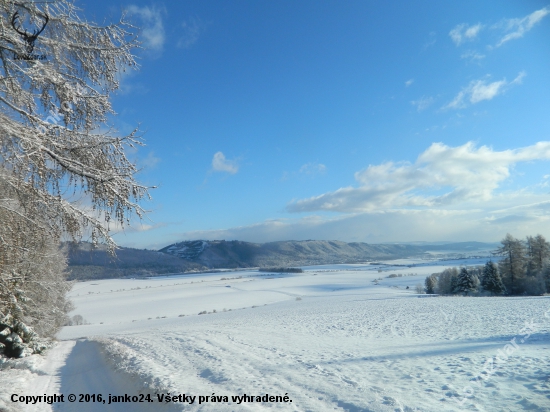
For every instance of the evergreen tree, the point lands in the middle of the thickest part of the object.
(491, 280)
(546, 277)
(465, 282)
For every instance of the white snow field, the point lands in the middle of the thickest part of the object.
(329, 339)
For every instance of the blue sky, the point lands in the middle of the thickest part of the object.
(368, 121)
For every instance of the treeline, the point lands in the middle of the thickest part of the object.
(523, 270)
(281, 270)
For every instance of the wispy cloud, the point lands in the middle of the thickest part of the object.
(313, 169)
(462, 33)
(221, 164)
(440, 177)
(400, 225)
(423, 103)
(516, 28)
(191, 29)
(430, 42)
(479, 90)
(153, 34)
(310, 169)
(472, 55)
(150, 161)
(409, 82)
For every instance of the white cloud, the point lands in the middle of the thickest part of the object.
(516, 28)
(391, 226)
(442, 176)
(448, 193)
(463, 32)
(479, 90)
(152, 34)
(423, 103)
(409, 82)
(221, 164)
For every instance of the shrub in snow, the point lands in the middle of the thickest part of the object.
(33, 288)
(18, 340)
(419, 288)
(446, 281)
(533, 285)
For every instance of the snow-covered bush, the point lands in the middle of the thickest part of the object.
(446, 281)
(431, 283)
(32, 278)
(533, 285)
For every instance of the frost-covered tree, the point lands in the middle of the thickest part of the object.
(538, 252)
(512, 267)
(430, 283)
(446, 281)
(33, 288)
(63, 168)
(491, 280)
(56, 141)
(465, 282)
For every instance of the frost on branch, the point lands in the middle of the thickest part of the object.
(56, 141)
(63, 168)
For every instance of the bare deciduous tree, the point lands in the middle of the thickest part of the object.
(538, 251)
(512, 266)
(55, 138)
(63, 168)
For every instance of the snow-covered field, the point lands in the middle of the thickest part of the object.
(328, 339)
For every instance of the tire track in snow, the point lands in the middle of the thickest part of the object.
(81, 367)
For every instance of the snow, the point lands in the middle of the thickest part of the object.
(329, 338)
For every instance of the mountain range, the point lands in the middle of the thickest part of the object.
(86, 262)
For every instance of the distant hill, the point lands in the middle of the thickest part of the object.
(234, 254)
(86, 263)
(200, 255)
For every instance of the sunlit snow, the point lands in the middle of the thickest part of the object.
(336, 337)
